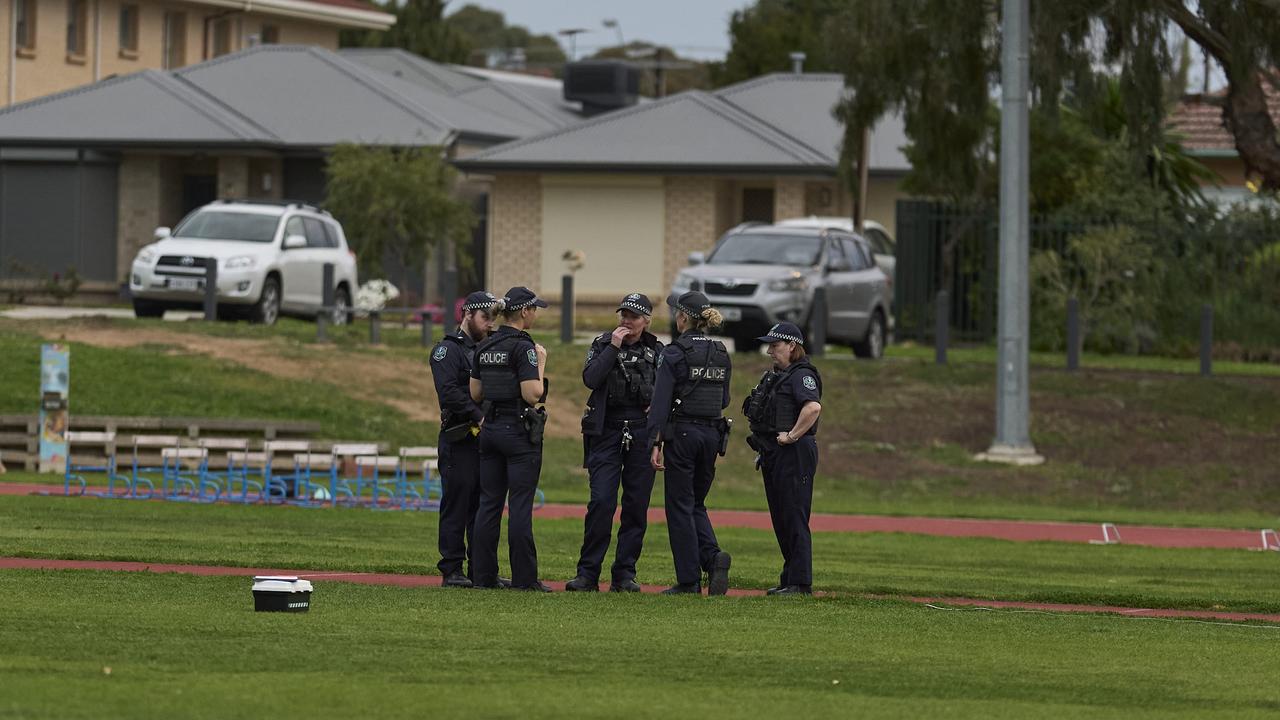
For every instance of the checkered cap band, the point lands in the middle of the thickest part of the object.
(632, 305)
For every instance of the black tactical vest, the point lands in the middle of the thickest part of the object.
(631, 378)
(781, 408)
(700, 393)
(755, 406)
(497, 368)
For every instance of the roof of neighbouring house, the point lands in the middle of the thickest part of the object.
(343, 13)
(1198, 121)
(284, 96)
(779, 123)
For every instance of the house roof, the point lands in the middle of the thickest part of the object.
(411, 67)
(778, 123)
(344, 13)
(281, 96)
(693, 131)
(1198, 120)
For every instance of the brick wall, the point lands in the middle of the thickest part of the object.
(788, 198)
(690, 223)
(515, 233)
(139, 205)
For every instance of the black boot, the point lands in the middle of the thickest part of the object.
(581, 584)
(692, 588)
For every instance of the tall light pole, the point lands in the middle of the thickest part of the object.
(1013, 395)
(616, 27)
(572, 34)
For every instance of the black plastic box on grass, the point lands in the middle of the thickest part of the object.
(281, 593)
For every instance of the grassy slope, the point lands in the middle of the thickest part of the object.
(897, 436)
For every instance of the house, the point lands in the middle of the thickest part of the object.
(52, 45)
(638, 189)
(86, 175)
(1198, 122)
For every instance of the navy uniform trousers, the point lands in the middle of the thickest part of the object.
(459, 500)
(610, 466)
(509, 469)
(788, 487)
(690, 459)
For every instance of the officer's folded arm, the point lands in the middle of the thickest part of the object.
(477, 391)
(808, 416)
(530, 390)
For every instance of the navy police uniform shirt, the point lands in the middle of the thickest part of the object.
(451, 362)
(601, 359)
(672, 372)
(524, 359)
(804, 387)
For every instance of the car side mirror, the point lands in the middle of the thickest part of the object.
(697, 258)
(162, 232)
(293, 242)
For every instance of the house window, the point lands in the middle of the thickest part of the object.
(175, 40)
(270, 34)
(129, 30)
(77, 20)
(26, 30)
(221, 37)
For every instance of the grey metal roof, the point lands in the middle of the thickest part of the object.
(149, 106)
(777, 123)
(283, 96)
(801, 103)
(414, 68)
(692, 131)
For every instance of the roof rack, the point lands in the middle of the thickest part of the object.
(284, 202)
(747, 224)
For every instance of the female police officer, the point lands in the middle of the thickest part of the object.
(509, 380)
(460, 417)
(686, 431)
(783, 410)
(620, 370)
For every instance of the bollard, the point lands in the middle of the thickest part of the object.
(818, 322)
(1206, 340)
(942, 328)
(566, 309)
(326, 303)
(1073, 334)
(210, 288)
(426, 329)
(375, 327)
(449, 289)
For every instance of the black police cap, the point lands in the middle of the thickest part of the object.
(479, 300)
(691, 303)
(637, 302)
(521, 297)
(783, 332)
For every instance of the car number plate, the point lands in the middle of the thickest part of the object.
(731, 314)
(185, 283)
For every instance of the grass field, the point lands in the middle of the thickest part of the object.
(99, 645)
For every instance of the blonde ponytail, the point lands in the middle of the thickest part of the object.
(710, 319)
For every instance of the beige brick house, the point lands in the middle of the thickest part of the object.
(637, 190)
(1198, 121)
(51, 45)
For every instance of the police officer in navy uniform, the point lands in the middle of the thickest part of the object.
(509, 381)
(460, 416)
(620, 371)
(686, 431)
(783, 411)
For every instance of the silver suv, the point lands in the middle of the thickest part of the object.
(758, 275)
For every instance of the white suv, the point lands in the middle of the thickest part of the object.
(270, 258)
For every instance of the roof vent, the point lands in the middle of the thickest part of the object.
(602, 85)
(797, 62)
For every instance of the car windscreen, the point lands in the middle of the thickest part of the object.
(755, 249)
(227, 225)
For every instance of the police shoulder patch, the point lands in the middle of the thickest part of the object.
(533, 358)
(440, 352)
(809, 382)
(591, 352)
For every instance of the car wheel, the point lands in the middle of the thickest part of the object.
(147, 309)
(341, 307)
(871, 346)
(267, 310)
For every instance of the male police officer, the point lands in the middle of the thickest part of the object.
(460, 417)
(620, 370)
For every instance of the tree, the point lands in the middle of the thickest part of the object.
(420, 28)
(486, 31)
(763, 36)
(395, 203)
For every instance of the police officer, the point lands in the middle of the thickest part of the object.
(686, 431)
(620, 371)
(460, 416)
(783, 411)
(509, 379)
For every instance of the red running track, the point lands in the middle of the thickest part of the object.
(416, 581)
(1016, 530)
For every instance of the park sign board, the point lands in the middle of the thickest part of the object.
(55, 386)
